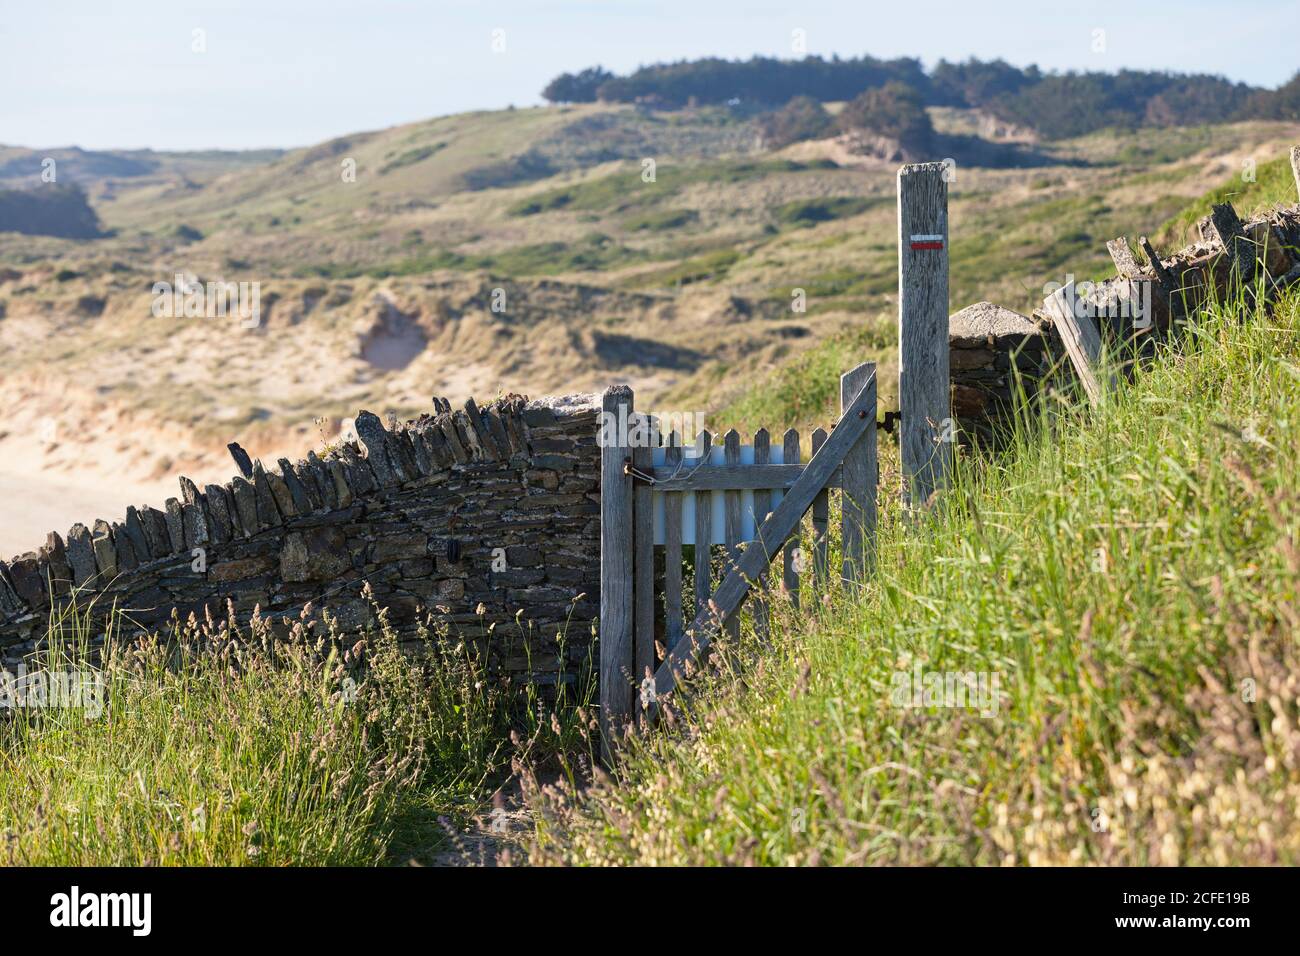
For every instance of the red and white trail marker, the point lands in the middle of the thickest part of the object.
(922, 241)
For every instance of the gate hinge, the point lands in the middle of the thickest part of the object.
(636, 473)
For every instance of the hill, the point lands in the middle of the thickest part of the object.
(1110, 614)
(377, 289)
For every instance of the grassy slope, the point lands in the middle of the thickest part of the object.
(1128, 576)
(1123, 575)
(246, 748)
(800, 391)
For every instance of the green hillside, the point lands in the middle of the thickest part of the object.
(665, 248)
(1120, 592)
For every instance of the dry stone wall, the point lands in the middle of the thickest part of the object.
(988, 343)
(485, 520)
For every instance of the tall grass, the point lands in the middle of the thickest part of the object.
(1127, 576)
(222, 743)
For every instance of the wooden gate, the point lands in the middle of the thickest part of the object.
(737, 507)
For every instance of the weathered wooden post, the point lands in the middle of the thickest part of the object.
(1295, 166)
(616, 568)
(926, 431)
(1082, 341)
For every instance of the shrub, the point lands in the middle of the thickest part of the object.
(801, 119)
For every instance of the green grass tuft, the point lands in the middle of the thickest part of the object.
(1127, 576)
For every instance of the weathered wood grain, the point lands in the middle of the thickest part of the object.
(923, 387)
(858, 501)
(742, 477)
(762, 506)
(731, 453)
(1295, 167)
(1225, 227)
(673, 553)
(1081, 338)
(617, 661)
(1126, 264)
(821, 523)
(703, 533)
(644, 585)
(789, 572)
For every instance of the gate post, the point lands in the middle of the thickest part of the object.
(926, 430)
(616, 568)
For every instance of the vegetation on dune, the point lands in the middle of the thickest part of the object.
(805, 391)
(1057, 105)
(1123, 581)
(800, 119)
(221, 744)
(894, 111)
(1272, 182)
(627, 189)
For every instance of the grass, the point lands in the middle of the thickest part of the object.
(1127, 577)
(805, 213)
(228, 745)
(805, 391)
(627, 189)
(1273, 182)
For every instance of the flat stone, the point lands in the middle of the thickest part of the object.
(105, 554)
(196, 525)
(451, 435)
(307, 478)
(241, 569)
(155, 529)
(324, 483)
(55, 555)
(338, 473)
(81, 555)
(126, 559)
(189, 491)
(221, 525)
(984, 324)
(28, 578)
(283, 497)
(396, 547)
(268, 515)
(370, 431)
(317, 554)
(297, 491)
(175, 526)
(245, 505)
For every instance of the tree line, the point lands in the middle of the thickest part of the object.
(1056, 105)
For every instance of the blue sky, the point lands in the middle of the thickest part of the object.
(123, 74)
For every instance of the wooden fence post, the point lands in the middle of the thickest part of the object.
(860, 471)
(926, 429)
(616, 569)
(1082, 341)
(1295, 166)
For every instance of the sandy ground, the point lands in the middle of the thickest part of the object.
(67, 455)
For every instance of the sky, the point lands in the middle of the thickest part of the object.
(105, 74)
